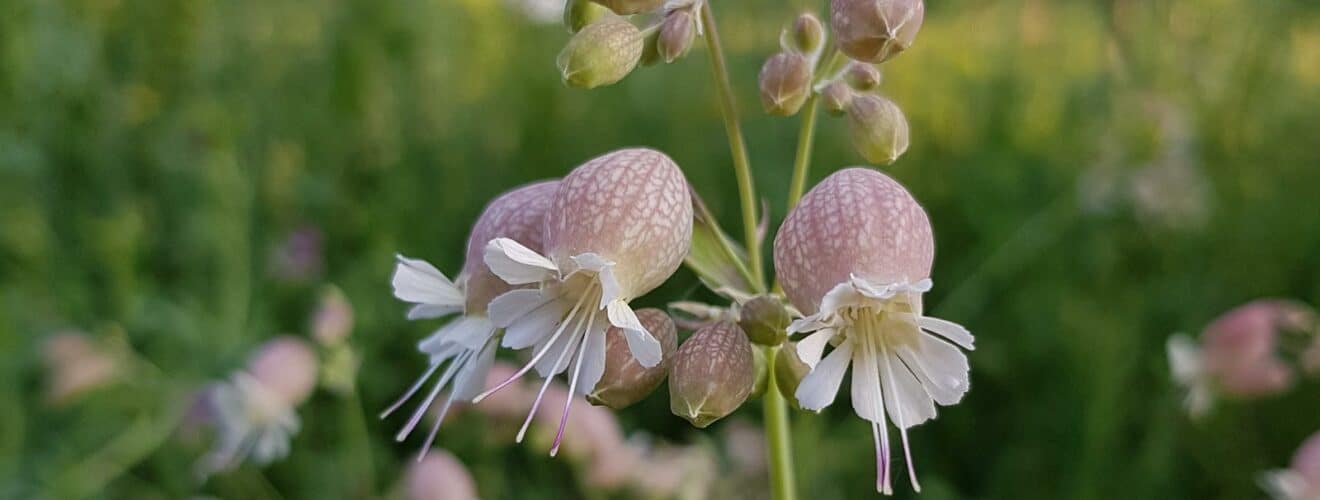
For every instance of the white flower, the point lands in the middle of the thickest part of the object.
(466, 346)
(855, 256)
(252, 423)
(619, 226)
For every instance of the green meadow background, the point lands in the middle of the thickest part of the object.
(1100, 174)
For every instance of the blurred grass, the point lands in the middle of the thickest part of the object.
(153, 154)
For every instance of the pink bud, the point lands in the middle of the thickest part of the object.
(625, 380)
(1306, 461)
(713, 374)
(875, 30)
(518, 214)
(333, 319)
(440, 476)
(855, 222)
(76, 365)
(631, 207)
(287, 367)
(785, 83)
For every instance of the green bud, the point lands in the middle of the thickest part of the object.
(862, 76)
(601, 54)
(629, 7)
(712, 375)
(836, 96)
(626, 381)
(878, 128)
(808, 33)
(676, 35)
(785, 83)
(789, 372)
(758, 367)
(765, 319)
(579, 13)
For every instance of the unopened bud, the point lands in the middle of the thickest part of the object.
(808, 33)
(601, 54)
(626, 381)
(580, 13)
(875, 30)
(785, 83)
(836, 96)
(629, 7)
(862, 76)
(789, 372)
(878, 128)
(758, 367)
(712, 375)
(676, 35)
(765, 320)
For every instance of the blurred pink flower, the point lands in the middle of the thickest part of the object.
(286, 366)
(299, 258)
(333, 319)
(439, 476)
(75, 365)
(1237, 356)
(1301, 481)
(590, 432)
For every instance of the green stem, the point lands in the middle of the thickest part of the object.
(742, 169)
(807, 134)
(778, 442)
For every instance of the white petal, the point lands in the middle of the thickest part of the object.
(819, 387)
(610, 290)
(517, 264)
(560, 354)
(842, 295)
(941, 368)
(1184, 359)
(808, 324)
(907, 402)
(471, 332)
(591, 261)
(514, 304)
(867, 398)
(426, 311)
(641, 343)
(535, 325)
(470, 380)
(949, 330)
(419, 282)
(809, 349)
(593, 360)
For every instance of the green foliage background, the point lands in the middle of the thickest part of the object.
(153, 153)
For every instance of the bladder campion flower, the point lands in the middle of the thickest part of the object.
(619, 225)
(466, 344)
(875, 30)
(713, 374)
(1237, 356)
(855, 257)
(625, 381)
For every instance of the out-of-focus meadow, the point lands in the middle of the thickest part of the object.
(181, 179)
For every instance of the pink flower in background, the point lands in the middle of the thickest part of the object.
(299, 257)
(76, 365)
(439, 476)
(255, 414)
(1301, 480)
(333, 319)
(1237, 356)
(855, 257)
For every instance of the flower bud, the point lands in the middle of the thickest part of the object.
(333, 319)
(808, 33)
(878, 128)
(789, 372)
(628, 7)
(626, 381)
(75, 365)
(836, 96)
(875, 30)
(862, 76)
(765, 320)
(712, 375)
(785, 83)
(287, 367)
(580, 13)
(601, 54)
(676, 35)
(758, 367)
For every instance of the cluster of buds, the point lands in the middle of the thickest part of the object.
(869, 32)
(786, 77)
(606, 46)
